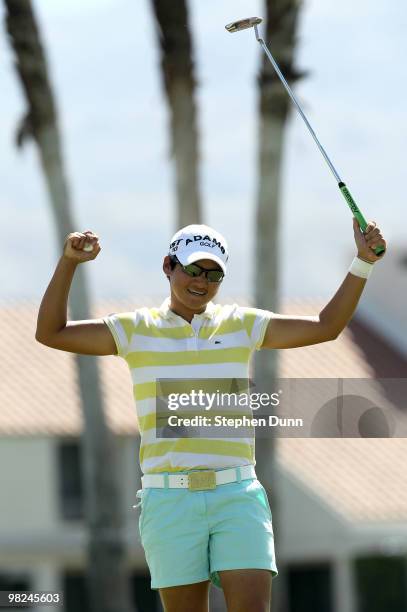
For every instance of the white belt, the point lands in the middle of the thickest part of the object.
(198, 480)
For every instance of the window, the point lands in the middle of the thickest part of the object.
(381, 584)
(145, 599)
(15, 582)
(70, 486)
(310, 588)
(76, 597)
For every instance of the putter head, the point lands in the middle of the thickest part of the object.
(243, 24)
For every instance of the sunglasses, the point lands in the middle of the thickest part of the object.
(193, 270)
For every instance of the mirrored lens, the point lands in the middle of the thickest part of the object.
(214, 276)
(192, 270)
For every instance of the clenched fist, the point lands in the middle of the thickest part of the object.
(368, 241)
(81, 247)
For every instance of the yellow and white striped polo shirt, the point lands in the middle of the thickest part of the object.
(159, 344)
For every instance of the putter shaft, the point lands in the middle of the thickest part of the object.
(294, 100)
(253, 22)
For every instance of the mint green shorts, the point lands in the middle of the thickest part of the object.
(189, 536)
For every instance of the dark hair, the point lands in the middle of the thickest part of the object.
(173, 261)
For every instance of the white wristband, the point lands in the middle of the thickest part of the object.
(361, 268)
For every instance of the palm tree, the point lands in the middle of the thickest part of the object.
(281, 25)
(108, 580)
(179, 83)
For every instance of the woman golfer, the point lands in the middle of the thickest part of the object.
(204, 515)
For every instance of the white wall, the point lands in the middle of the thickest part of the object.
(310, 528)
(31, 529)
(35, 538)
(27, 501)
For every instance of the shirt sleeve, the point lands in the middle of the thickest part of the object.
(255, 322)
(122, 327)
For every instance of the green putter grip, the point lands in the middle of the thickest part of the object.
(356, 213)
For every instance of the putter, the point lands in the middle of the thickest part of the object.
(253, 22)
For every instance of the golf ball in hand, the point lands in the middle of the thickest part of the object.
(88, 248)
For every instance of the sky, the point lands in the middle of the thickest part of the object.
(104, 66)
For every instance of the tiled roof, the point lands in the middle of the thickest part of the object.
(39, 392)
(341, 358)
(384, 302)
(38, 387)
(365, 479)
(362, 479)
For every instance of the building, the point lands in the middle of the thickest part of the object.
(344, 500)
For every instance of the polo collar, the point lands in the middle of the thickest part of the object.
(168, 314)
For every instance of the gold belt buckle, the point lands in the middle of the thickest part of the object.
(201, 481)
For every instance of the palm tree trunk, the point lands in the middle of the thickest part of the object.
(274, 105)
(179, 83)
(108, 580)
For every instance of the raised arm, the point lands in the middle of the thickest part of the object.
(285, 331)
(89, 337)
